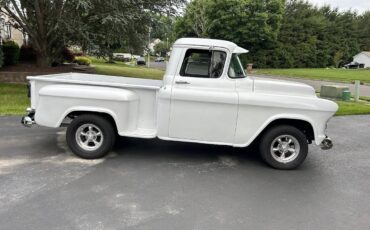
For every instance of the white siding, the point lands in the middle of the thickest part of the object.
(362, 58)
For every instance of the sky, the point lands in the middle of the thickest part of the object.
(359, 5)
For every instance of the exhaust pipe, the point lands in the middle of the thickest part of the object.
(326, 144)
(29, 120)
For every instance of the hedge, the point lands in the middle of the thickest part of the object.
(1, 58)
(83, 60)
(11, 52)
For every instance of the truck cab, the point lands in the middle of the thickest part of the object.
(200, 89)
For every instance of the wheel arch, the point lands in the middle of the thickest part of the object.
(74, 112)
(305, 126)
(302, 123)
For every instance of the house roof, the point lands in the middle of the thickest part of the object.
(210, 43)
(367, 53)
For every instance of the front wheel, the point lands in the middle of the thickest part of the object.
(90, 136)
(284, 147)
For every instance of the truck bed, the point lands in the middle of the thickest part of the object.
(99, 80)
(71, 91)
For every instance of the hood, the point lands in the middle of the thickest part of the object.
(282, 87)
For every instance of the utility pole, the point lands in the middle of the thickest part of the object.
(148, 62)
(357, 90)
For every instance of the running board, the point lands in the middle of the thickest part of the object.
(141, 133)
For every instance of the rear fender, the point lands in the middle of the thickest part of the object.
(57, 101)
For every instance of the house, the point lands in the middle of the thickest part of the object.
(153, 44)
(361, 60)
(8, 32)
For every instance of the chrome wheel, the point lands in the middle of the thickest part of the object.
(89, 137)
(285, 148)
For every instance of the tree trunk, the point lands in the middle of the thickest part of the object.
(42, 59)
(111, 58)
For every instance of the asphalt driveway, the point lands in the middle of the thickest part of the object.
(152, 184)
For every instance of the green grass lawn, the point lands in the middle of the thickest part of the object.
(353, 108)
(13, 99)
(343, 75)
(122, 69)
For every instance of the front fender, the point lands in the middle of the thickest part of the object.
(276, 117)
(258, 110)
(256, 119)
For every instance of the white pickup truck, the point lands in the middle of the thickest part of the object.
(205, 97)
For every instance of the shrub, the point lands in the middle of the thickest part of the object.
(68, 55)
(11, 52)
(83, 60)
(1, 58)
(27, 54)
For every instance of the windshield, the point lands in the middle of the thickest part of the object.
(236, 69)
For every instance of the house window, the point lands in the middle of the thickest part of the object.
(8, 31)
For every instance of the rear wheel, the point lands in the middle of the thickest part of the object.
(90, 136)
(284, 147)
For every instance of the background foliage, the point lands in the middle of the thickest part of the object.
(11, 52)
(96, 25)
(280, 33)
(1, 58)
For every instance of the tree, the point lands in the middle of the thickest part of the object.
(364, 31)
(52, 24)
(162, 26)
(299, 35)
(253, 24)
(315, 37)
(118, 24)
(109, 35)
(44, 22)
(161, 49)
(196, 19)
(291, 33)
(338, 58)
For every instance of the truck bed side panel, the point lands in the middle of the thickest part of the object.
(57, 101)
(130, 102)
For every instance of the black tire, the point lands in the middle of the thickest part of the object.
(270, 136)
(107, 135)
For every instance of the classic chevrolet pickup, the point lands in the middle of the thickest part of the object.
(205, 97)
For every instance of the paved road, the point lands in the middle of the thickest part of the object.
(151, 184)
(364, 89)
(158, 65)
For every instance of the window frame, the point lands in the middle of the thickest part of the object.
(209, 50)
(228, 70)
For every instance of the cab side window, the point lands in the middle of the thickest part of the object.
(203, 63)
(217, 64)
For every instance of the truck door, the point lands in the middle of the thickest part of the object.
(204, 101)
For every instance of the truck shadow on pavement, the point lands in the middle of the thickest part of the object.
(180, 152)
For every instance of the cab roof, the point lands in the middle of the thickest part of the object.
(232, 47)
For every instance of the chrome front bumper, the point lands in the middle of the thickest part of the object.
(326, 144)
(29, 120)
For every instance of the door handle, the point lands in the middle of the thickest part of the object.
(182, 82)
